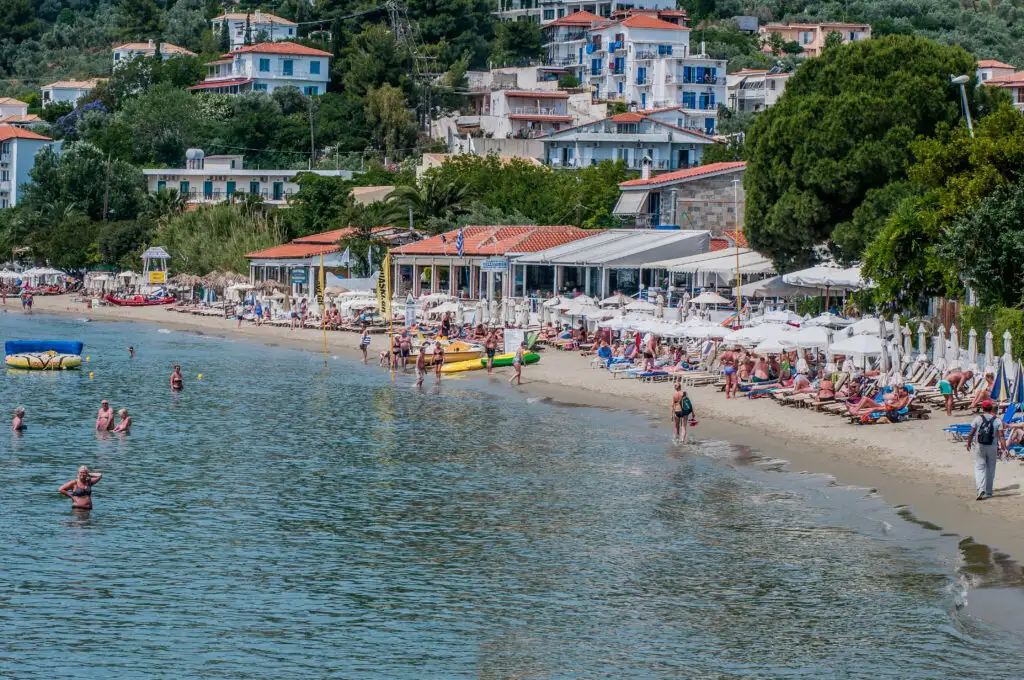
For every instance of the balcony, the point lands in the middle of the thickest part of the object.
(564, 61)
(5, 158)
(537, 111)
(693, 80)
(200, 196)
(5, 187)
(699, 107)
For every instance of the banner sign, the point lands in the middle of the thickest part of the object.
(494, 264)
(158, 277)
(299, 275)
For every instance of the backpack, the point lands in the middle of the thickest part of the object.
(987, 431)
(685, 406)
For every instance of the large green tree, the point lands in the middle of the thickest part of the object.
(842, 128)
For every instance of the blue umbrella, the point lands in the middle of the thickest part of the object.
(1017, 392)
(1000, 388)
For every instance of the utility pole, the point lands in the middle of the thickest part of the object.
(312, 143)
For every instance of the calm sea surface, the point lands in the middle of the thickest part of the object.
(277, 521)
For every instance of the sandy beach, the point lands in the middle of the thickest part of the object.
(911, 464)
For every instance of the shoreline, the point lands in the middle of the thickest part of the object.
(911, 464)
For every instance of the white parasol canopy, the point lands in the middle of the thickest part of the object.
(809, 337)
(639, 306)
(824, 276)
(869, 325)
(858, 345)
(990, 352)
(830, 320)
(954, 345)
(972, 350)
(617, 300)
(751, 335)
(1007, 347)
(780, 316)
(770, 346)
(922, 343)
(710, 298)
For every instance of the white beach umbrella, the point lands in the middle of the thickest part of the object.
(897, 329)
(617, 300)
(678, 313)
(830, 320)
(781, 316)
(770, 346)
(908, 344)
(809, 337)
(640, 306)
(460, 314)
(883, 358)
(659, 307)
(953, 356)
(524, 314)
(752, 335)
(858, 345)
(972, 350)
(710, 298)
(922, 343)
(492, 312)
(1007, 347)
(939, 347)
(990, 352)
(870, 325)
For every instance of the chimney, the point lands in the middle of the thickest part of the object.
(645, 168)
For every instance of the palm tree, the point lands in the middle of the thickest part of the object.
(433, 197)
(164, 205)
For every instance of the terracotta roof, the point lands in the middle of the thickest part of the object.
(480, 241)
(22, 118)
(11, 101)
(727, 241)
(76, 84)
(689, 173)
(992, 63)
(575, 19)
(13, 132)
(627, 118)
(332, 237)
(647, 21)
(210, 84)
(281, 48)
(165, 48)
(1009, 80)
(293, 251)
(540, 117)
(267, 16)
(537, 94)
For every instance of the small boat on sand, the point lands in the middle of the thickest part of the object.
(140, 300)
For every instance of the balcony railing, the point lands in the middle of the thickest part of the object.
(538, 110)
(699, 107)
(617, 70)
(199, 196)
(564, 61)
(694, 80)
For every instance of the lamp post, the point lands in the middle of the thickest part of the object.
(962, 82)
(736, 236)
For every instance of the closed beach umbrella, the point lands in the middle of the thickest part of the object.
(908, 343)
(410, 311)
(939, 347)
(1017, 391)
(659, 307)
(1007, 347)
(954, 343)
(883, 358)
(524, 314)
(990, 352)
(999, 387)
(897, 330)
(972, 349)
(922, 344)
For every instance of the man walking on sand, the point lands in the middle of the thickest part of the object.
(989, 430)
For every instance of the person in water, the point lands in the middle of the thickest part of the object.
(79, 490)
(126, 422)
(131, 352)
(438, 360)
(421, 365)
(105, 417)
(682, 410)
(177, 382)
(18, 424)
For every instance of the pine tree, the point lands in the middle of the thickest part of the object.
(225, 37)
(248, 30)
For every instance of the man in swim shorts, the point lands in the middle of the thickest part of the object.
(177, 382)
(421, 365)
(105, 417)
(490, 346)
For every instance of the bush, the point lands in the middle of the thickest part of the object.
(568, 82)
(998, 320)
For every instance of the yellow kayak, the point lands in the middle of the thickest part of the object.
(476, 364)
(460, 366)
(44, 361)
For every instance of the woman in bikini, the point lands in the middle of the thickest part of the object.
(728, 361)
(79, 490)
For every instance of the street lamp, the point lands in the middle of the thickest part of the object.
(962, 82)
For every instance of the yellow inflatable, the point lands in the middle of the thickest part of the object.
(44, 361)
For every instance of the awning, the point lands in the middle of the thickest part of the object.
(213, 84)
(719, 262)
(630, 202)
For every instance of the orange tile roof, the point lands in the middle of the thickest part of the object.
(1009, 80)
(689, 173)
(575, 19)
(281, 48)
(13, 132)
(992, 63)
(165, 48)
(22, 118)
(483, 241)
(11, 101)
(270, 18)
(333, 236)
(76, 84)
(293, 251)
(647, 21)
(627, 118)
(537, 94)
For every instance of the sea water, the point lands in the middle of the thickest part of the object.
(276, 520)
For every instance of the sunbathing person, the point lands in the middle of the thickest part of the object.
(868, 404)
(983, 394)
(801, 385)
(826, 390)
(761, 371)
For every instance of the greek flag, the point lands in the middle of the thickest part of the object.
(460, 241)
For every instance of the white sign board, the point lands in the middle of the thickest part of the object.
(494, 264)
(513, 338)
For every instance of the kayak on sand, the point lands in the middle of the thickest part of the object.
(477, 364)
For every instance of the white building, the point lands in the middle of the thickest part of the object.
(212, 179)
(263, 27)
(545, 11)
(755, 89)
(68, 90)
(18, 149)
(268, 66)
(15, 112)
(129, 51)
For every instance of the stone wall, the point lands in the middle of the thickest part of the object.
(705, 204)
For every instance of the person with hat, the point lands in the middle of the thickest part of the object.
(987, 429)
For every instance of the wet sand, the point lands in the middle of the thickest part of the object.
(911, 464)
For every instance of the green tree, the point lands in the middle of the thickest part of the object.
(732, 150)
(833, 39)
(842, 127)
(393, 126)
(775, 43)
(162, 205)
(161, 124)
(186, 23)
(225, 37)
(435, 197)
(373, 59)
(138, 19)
(218, 237)
(19, 21)
(518, 42)
(988, 245)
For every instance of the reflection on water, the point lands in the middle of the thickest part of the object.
(276, 521)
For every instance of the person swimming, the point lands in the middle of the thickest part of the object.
(131, 352)
(105, 417)
(79, 490)
(18, 424)
(126, 422)
(177, 382)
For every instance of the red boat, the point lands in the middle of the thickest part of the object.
(139, 301)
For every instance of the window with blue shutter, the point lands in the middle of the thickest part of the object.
(314, 68)
(264, 66)
(641, 75)
(287, 66)
(709, 126)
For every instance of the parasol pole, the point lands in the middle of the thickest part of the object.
(323, 305)
(736, 236)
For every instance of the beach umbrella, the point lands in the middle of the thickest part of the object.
(870, 325)
(922, 343)
(770, 346)
(858, 345)
(492, 312)
(617, 300)
(524, 314)
(972, 350)
(710, 298)
(781, 316)
(1017, 390)
(939, 347)
(1007, 347)
(883, 356)
(908, 343)
(809, 337)
(460, 314)
(954, 341)
(1000, 388)
(640, 306)
(678, 313)
(990, 352)
(659, 307)
(897, 330)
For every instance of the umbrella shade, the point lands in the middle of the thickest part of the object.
(1000, 388)
(782, 316)
(704, 332)
(618, 300)
(774, 287)
(752, 335)
(639, 306)
(770, 346)
(954, 344)
(922, 343)
(972, 348)
(1007, 346)
(908, 343)
(990, 352)
(809, 337)
(939, 344)
(1017, 391)
(555, 301)
(828, 277)
(869, 325)
(829, 320)
(858, 345)
(897, 330)
(709, 298)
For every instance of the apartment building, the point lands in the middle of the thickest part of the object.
(213, 179)
(1013, 83)
(637, 139)
(544, 12)
(753, 90)
(68, 90)
(990, 68)
(18, 149)
(708, 197)
(263, 27)
(811, 37)
(266, 67)
(128, 51)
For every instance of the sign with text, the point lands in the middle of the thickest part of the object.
(158, 277)
(513, 338)
(494, 264)
(299, 276)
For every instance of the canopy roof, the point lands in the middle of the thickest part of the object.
(622, 248)
(774, 287)
(718, 262)
(828, 276)
(155, 253)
